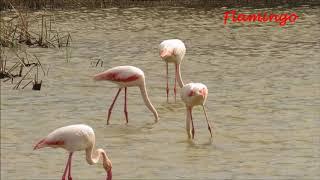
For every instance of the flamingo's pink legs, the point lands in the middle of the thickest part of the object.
(68, 168)
(110, 109)
(109, 176)
(69, 173)
(209, 127)
(167, 82)
(125, 104)
(192, 131)
(175, 83)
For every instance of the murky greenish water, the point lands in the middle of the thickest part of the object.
(264, 98)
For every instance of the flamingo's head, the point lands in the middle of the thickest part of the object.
(199, 92)
(107, 165)
(166, 52)
(203, 92)
(40, 144)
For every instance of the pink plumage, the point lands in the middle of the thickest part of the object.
(173, 51)
(127, 76)
(194, 94)
(122, 75)
(73, 138)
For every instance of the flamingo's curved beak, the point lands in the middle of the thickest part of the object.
(39, 145)
(109, 175)
(203, 93)
(165, 53)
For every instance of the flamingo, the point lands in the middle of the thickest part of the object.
(173, 51)
(194, 94)
(127, 76)
(73, 138)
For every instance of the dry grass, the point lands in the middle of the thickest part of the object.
(19, 32)
(22, 66)
(16, 30)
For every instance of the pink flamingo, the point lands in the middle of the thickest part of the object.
(76, 138)
(173, 51)
(127, 76)
(194, 94)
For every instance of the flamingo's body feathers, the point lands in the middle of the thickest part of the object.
(76, 138)
(72, 138)
(194, 94)
(172, 50)
(127, 76)
(124, 76)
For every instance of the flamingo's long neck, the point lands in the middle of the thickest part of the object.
(180, 82)
(93, 157)
(188, 121)
(146, 100)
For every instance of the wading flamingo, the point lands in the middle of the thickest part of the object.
(127, 76)
(194, 94)
(73, 138)
(173, 51)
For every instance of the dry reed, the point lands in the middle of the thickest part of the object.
(94, 62)
(22, 61)
(17, 29)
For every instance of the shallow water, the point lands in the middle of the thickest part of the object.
(264, 98)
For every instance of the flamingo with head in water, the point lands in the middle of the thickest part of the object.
(194, 94)
(127, 76)
(76, 138)
(173, 51)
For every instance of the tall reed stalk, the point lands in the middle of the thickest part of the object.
(17, 29)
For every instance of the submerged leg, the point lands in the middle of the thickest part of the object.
(175, 83)
(69, 172)
(110, 109)
(67, 167)
(209, 126)
(188, 123)
(167, 75)
(125, 104)
(192, 131)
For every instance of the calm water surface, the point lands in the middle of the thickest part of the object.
(264, 98)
